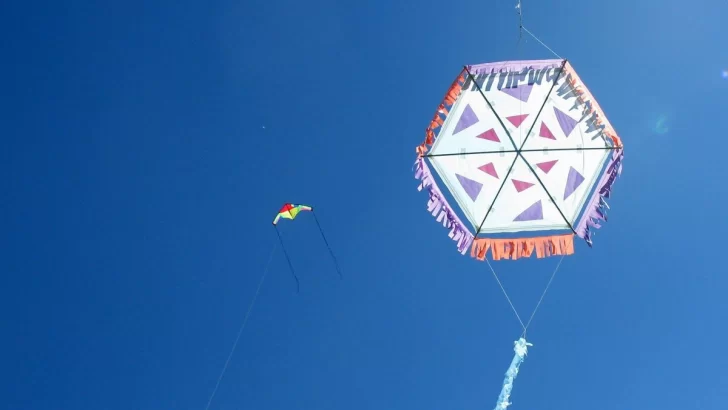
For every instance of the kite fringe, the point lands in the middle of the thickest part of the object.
(517, 248)
(440, 209)
(441, 113)
(438, 205)
(596, 211)
(522, 247)
(514, 66)
(591, 106)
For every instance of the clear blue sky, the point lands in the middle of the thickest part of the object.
(138, 188)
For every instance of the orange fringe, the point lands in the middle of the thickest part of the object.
(544, 246)
(452, 94)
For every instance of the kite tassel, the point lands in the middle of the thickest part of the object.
(521, 350)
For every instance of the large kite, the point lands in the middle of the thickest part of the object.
(529, 158)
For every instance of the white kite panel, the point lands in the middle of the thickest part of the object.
(473, 152)
(473, 180)
(523, 205)
(516, 102)
(471, 126)
(561, 125)
(568, 176)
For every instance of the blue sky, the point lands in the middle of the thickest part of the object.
(139, 188)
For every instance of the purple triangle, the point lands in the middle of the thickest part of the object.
(533, 213)
(472, 188)
(467, 118)
(522, 92)
(572, 182)
(567, 123)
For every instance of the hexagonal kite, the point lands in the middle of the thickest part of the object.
(528, 155)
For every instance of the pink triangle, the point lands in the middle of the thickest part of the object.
(517, 120)
(489, 135)
(521, 185)
(546, 132)
(489, 169)
(546, 166)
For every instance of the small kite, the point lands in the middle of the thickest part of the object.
(290, 211)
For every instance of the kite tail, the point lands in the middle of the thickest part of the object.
(336, 263)
(521, 349)
(290, 265)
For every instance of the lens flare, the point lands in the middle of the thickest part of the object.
(661, 125)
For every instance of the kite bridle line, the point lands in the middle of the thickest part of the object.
(522, 28)
(520, 21)
(543, 294)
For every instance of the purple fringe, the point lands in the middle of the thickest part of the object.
(511, 66)
(596, 210)
(440, 209)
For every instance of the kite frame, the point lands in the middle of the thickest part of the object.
(592, 211)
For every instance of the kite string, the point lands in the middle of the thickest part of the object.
(542, 296)
(327, 244)
(290, 265)
(523, 28)
(506, 295)
(541, 42)
(245, 321)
